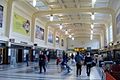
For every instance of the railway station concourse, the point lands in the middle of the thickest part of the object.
(55, 28)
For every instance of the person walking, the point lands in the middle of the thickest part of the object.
(64, 63)
(42, 61)
(27, 59)
(48, 55)
(72, 56)
(88, 63)
(79, 61)
(100, 60)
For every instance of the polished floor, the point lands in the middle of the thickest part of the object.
(22, 72)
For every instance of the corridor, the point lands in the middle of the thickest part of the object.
(53, 73)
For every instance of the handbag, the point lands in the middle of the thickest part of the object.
(81, 63)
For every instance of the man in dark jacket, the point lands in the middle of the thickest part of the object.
(88, 62)
(27, 59)
(42, 60)
(78, 59)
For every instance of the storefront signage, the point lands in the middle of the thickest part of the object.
(12, 40)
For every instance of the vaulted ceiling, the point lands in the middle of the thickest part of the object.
(75, 15)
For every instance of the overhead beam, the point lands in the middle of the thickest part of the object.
(87, 36)
(78, 32)
(86, 32)
(75, 10)
(96, 21)
(88, 27)
(76, 1)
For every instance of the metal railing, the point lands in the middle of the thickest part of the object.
(102, 73)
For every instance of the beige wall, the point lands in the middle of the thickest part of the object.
(118, 12)
(115, 4)
(38, 41)
(84, 42)
(26, 11)
(2, 30)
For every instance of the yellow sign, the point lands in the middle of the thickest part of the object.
(79, 49)
(21, 25)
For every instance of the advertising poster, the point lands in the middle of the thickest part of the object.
(118, 23)
(21, 25)
(1, 16)
(50, 37)
(57, 40)
(62, 42)
(39, 34)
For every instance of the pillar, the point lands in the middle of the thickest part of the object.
(114, 27)
(101, 41)
(33, 28)
(8, 17)
(46, 34)
(54, 41)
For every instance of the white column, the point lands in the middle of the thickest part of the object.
(114, 27)
(60, 42)
(102, 40)
(33, 28)
(46, 35)
(8, 17)
(12, 52)
(54, 41)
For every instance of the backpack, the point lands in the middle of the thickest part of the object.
(78, 58)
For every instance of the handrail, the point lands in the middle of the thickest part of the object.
(102, 73)
(109, 76)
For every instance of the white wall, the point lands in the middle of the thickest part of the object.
(115, 4)
(50, 45)
(40, 43)
(64, 47)
(117, 13)
(57, 45)
(83, 42)
(24, 11)
(2, 30)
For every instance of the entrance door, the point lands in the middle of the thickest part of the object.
(1, 55)
(5, 56)
(20, 55)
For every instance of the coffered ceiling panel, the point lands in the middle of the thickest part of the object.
(75, 15)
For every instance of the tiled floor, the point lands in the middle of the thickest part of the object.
(53, 73)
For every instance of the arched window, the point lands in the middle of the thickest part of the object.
(110, 34)
(107, 35)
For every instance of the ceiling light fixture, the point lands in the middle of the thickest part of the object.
(34, 3)
(91, 31)
(91, 37)
(92, 26)
(93, 3)
(61, 26)
(93, 17)
(51, 17)
(66, 32)
(57, 38)
(73, 38)
(70, 36)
